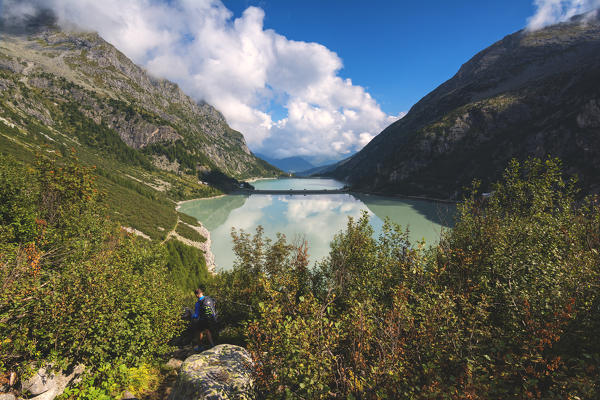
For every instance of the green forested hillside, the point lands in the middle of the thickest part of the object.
(86, 79)
(70, 93)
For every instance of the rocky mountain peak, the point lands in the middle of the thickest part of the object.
(110, 89)
(531, 93)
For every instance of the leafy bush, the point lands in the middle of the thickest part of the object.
(528, 258)
(505, 306)
(75, 288)
(110, 381)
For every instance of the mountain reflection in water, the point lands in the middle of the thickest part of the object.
(315, 218)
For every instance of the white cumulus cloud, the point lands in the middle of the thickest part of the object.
(550, 12)
(239, 67)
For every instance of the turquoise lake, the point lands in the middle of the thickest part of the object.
(316, 218)
(297, 184)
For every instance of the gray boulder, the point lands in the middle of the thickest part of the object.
(223, 372)
(7, 396)
(46, 385)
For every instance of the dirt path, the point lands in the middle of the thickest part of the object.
(170, 373)
(172, 231)
(164, 389)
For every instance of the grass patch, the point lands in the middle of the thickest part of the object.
(186, 265)
(15, 149)
(188, 219)
(189, 233)
(132, 209)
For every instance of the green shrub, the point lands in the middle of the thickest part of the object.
(505, 306)
(110, 381)
(75, 288)
(528, 258)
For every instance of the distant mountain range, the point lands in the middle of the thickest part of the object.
(302, 166)
(530, 94)
(288, 164)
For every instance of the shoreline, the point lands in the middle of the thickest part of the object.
(178, 204)
(258, 179)
(407, 197)
(396, 196)
(208, 243)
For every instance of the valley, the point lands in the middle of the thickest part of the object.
(453, 253)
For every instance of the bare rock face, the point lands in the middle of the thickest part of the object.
(77, 73)
(223, 372)
(141, 135)
(590, 115)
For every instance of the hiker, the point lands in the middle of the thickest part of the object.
(204, 319)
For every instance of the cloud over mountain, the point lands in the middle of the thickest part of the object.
(238, 66)
(550, 12)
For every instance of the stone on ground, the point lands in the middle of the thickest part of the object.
(223, 372)
(46, 385)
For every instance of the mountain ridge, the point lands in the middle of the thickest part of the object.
(288, 164)
(72, 94)
(526, 95)
(142, 109)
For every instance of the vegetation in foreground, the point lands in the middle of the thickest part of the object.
(506, 306)
(75, 288)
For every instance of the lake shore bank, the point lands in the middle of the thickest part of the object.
(406, 197)
(178, 204)
(260, 179)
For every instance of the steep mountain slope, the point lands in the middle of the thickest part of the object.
(69, 95)
(81, 74)
(530, 94)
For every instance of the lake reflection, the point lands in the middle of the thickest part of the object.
(297, 184)
(317, 218)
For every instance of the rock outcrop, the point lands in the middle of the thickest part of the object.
(46, 385)
(223, 372)
(530, 94)
(65, 78)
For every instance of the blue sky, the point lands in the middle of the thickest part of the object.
(315, 78)
(399, 51)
